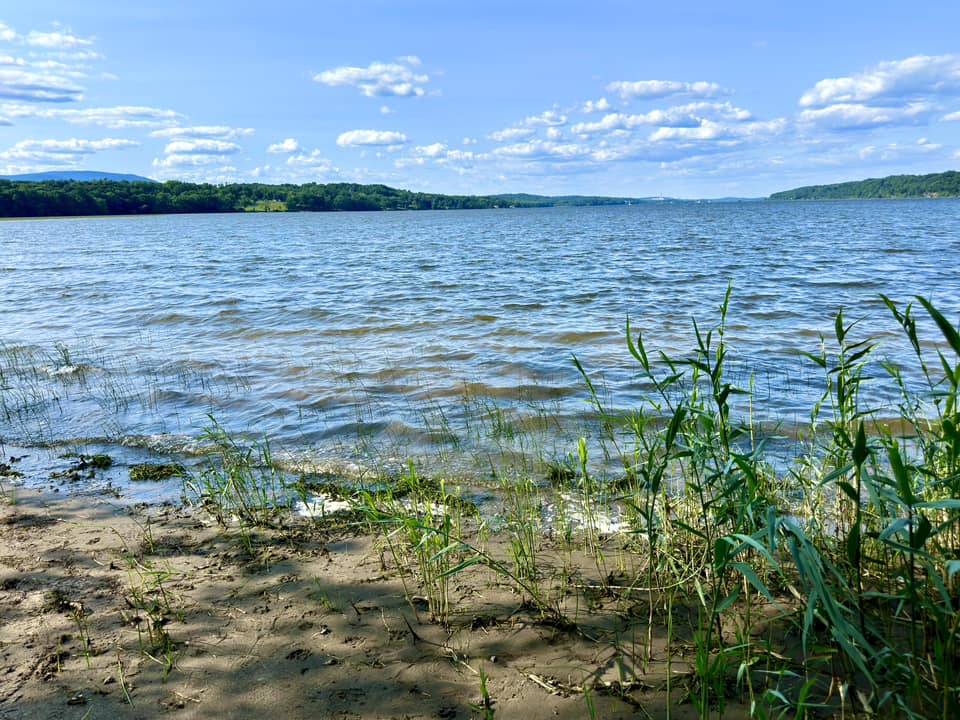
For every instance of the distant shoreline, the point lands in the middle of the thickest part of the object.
(894, 187)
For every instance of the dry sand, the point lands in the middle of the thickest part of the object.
(311, 621)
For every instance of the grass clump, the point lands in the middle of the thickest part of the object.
(155, 472)
(239, 484)
(855, 548)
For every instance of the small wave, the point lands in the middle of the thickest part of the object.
(69, 370)
(524, 306)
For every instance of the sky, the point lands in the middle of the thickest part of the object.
(607, 97)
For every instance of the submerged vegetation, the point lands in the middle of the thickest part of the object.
(824, 585)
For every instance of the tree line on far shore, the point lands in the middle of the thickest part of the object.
(108, 197)
(945, 184)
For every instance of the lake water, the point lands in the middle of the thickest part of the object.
(357, 338)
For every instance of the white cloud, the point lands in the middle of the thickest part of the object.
(354, 138)
(128, 116)
(215, 132)
(707, 130)
(386, 110)
(379, 79)
(312, 159)
(915, 77)
(434, 150)
(690, 115)
(201, 147)
(843, 116)
(61, 152)
(176, 160)
(542, 149)
(547, 118)
(894, 151)
(601, 105)
(460, 161)
(952, 117)
(56, 40)
(511, 134)
(651, 89)
(469, 141)
(74, 145)
(712, 130)
(17, 84)
(287, 146)
(7, 33)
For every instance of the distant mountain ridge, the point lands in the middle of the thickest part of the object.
(934, 185)
(76, 176)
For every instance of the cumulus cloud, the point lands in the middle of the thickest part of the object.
(380, 79)
(56, 40)
(125, 116)
(215, 132)
(75, 145)
(915, 77)
(201, 147)
(7, 33)
(356, 138)
(61, 152)
(312, 159)
(546, 118)
(543, 149)
(434, 150)
(654, 89)
(893, 151)
(511, 134)
(706, 130)
(179, 160)
(591, 106)
(287, 146)
(460, 161)
(20, 84)
(845, 116)
(690, 115)
(951, 117)
(712, 130)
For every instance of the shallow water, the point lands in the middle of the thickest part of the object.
(357, 337)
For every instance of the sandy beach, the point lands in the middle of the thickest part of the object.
(109, 611)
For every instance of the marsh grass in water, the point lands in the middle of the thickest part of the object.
(825, 584)
(828, 585)
(240, 482)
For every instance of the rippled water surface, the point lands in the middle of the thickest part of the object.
(339, 335)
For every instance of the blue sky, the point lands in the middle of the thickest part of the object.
(694, 99)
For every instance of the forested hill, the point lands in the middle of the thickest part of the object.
(104, 197)
(107, 197)
(946, 184)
